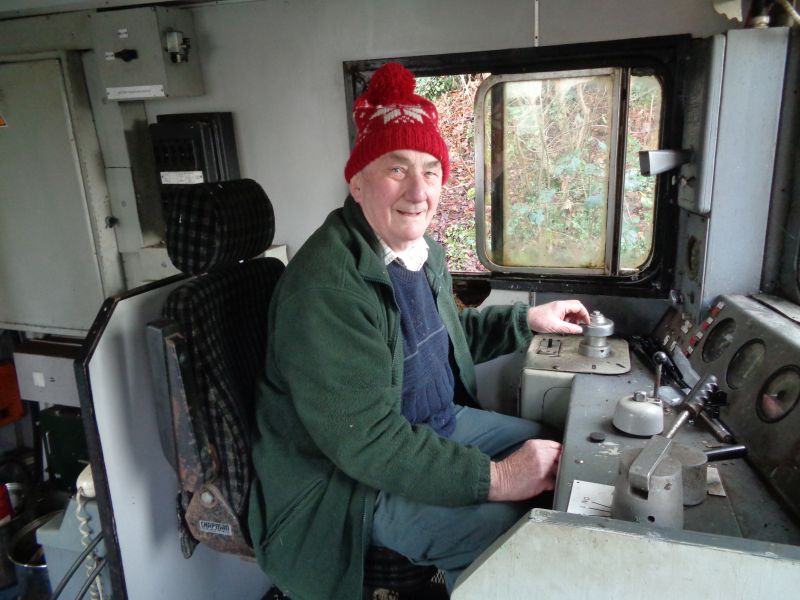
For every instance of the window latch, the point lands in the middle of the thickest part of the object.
(654, 162)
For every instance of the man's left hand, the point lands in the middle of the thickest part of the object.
(561, 316)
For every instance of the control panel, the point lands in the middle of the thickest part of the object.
(145, 53)
(754, 352)
(687, 435)
(679, 470)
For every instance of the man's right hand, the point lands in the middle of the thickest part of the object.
(526, 473)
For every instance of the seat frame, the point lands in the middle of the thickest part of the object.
(204, 511)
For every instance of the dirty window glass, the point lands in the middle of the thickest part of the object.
(550, 145)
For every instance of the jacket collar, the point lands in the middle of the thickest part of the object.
(369, 261)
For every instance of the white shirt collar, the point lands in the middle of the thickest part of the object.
(412, 258)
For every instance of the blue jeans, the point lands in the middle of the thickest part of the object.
(452, 537)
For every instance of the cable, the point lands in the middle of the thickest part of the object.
(791, 10)
(86, 532)
(93, 576)
(74, 567)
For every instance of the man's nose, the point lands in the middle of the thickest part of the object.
(417, 190)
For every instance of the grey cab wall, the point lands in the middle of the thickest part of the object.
(278, 67)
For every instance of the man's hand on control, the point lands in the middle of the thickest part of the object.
(528, 472)
(561, 316)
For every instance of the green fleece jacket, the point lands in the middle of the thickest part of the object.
(330, 430)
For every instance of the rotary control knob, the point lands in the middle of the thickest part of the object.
(595, 343)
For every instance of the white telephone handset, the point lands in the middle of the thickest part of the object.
(85, 482)
(84, 495)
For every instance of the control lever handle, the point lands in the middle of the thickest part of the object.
(660, 358)
(645, 464)
(695, 402)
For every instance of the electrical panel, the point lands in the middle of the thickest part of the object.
(146, 53)
(732, 111)
(193, 148)
(58, 258)
(701, 122)
(219, 135)
(184, 153)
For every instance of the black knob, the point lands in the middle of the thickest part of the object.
(597, 437)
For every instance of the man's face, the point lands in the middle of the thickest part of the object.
(399, 193)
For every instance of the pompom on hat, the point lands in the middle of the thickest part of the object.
(390, 116)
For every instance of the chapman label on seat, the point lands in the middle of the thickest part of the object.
(215, 528)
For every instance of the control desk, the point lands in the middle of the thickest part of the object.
(742, 540)
(748, 508)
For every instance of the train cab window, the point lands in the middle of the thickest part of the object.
(545, 186)
(549, 145)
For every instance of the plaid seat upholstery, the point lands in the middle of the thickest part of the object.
(217, 224)
(222, 313)
(385, 568)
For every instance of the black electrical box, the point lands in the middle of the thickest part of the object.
(184, 153)
(64, 443)
(195, 148)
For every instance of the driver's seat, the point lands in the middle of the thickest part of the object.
(208, 351)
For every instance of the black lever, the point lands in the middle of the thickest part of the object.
(646, 349)
(126, 55)
(726, 452)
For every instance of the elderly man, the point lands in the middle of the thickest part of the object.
(369, 431)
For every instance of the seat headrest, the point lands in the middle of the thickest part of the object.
(215, 224)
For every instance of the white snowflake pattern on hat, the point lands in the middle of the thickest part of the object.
(392, 113)
(390, 116)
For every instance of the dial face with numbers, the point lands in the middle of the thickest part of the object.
(720, 338)
(779, 395)
(745, 363)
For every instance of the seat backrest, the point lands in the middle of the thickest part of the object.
(214, 331)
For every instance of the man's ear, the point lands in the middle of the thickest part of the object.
(355, 187)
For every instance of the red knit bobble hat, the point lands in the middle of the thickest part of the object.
(389, 116)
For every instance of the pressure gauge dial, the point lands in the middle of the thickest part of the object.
(779, 395)
(745, 363)
(720, 338)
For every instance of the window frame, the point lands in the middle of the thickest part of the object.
(611, 227)
(665, 55)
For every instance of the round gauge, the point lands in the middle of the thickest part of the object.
(779, 395)
(745, 363)
(720, 337)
